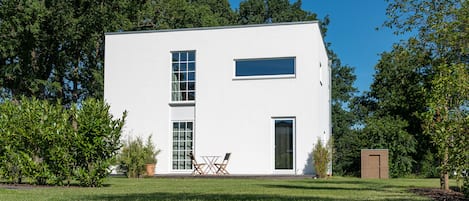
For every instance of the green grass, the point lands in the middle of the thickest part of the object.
(336, 188)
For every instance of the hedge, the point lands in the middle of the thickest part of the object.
(50, 144)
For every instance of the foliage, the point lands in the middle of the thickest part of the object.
(321, 158)
(403, 83)
(132, 158)
(271, 11)
(135, 155)
(465, 187)
(346, 155)
(150, 152)
(389, 133)
(346, 148)
(29, 127)
(97, 142)
(198, 13)
(447, 115)
(441, 29)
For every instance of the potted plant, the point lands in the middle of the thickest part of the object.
(150, 153)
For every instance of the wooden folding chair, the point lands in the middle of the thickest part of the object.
(221, 167)
(198, 167)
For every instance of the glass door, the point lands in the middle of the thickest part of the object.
(284, 130)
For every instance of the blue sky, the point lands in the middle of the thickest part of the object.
(352, 33)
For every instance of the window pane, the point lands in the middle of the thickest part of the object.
(183, 86)
(191, 76)
(175, 67)
(183, 56)
(183, 67)
(189, 126)
(175, 56)
(191, 66)
(175, 77)
(191, 95)
(191, 86)
(260, 67)
(177, 95)
(191, 56)
(183, 76)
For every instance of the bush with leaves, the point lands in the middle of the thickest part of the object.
(135, 155)
(37, 141)
(132, 158)
(321, 158)
(150, 152)
(97, 141)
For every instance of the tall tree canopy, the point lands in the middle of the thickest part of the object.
(55, 49)
(271, 11)
(422, 80)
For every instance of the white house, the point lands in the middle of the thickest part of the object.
(260, 92)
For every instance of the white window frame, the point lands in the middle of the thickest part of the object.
(281, 171)
(172, 144)
(182, 102)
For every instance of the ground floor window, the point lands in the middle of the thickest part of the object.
(182, 144)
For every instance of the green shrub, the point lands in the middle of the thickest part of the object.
(37, 141)
(135, 155)
(321, 159)
(150, 152)
(97, 141)
(132, 158)
(429, 166)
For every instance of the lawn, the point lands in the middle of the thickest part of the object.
(336, 188)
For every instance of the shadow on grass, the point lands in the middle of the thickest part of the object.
(320, 187)
(340, 182)
(224, 197)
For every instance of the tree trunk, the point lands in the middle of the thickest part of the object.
(444, 180)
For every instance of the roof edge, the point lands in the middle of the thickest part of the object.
(213, 28)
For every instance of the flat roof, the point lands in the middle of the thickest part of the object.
(212, 28)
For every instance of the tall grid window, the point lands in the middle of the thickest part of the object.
(182, 145)
(183, 76)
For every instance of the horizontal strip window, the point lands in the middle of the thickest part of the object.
(265, 67)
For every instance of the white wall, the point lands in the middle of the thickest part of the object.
(231, 115)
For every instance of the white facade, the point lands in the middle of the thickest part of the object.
(229, 114)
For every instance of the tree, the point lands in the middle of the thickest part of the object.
(397, 90)
(389, 133)
(346, 150)
(271, 11)
(441, 28)
(175, 14)
(446, 118)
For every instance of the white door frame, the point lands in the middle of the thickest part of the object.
(284, 171)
